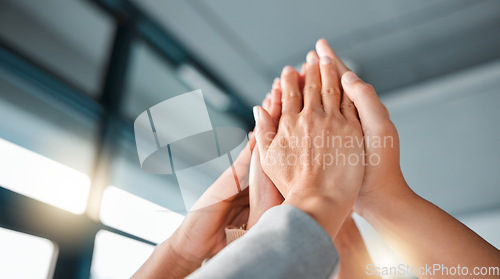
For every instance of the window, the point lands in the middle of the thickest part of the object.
(25, 256)
(72, 37)
(63, 146)
(152, 79)
(116, 256)
(38, 122)
(57, 169)
(33, 175)
(137, 216)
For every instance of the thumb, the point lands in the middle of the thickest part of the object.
(265, 130)
(372, 112)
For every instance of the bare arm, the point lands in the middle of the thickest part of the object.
(420, 232)
(352, 251)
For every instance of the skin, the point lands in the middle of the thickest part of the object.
(352, 252)
(417, 230)
(263, 192)
(202, 233)
(351, 248)
(384, 199)
(420, 232)
(317, 188)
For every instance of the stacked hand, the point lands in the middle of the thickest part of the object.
(325, 144)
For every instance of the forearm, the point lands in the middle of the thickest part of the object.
(421, 233)
(165, 262)
(352, 251)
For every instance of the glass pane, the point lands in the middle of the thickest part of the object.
(71, 38)
(62, 144)
(127, 174)
(33, 175)
(138, 216)
(20, 250)
(152, 80)
(116, 256)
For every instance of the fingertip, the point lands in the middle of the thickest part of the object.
(349, 77)
(321, 41)
(287, 70)
(276, 83)
(322, 47)
(275, 95)
(312, 57)
(256, 114)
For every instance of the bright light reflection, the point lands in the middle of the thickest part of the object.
(137, 216)
(116, 256)
(41, 178)
(25, 256)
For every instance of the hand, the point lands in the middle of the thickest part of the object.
(263, 192)
(420, 232)
(383, 175)
(314, 156)
(202, 234)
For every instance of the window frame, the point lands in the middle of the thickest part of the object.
(76, 243)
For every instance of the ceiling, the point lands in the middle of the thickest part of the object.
(392, 43)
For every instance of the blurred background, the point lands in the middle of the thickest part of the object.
(74, 74)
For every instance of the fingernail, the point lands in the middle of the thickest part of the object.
(276, 83)
(250, 135)
(349, 77)
(312, 58)
(256, 113)
(288, 69)
(325, 60)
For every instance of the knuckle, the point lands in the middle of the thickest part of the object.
(306, 122)
(347, 105)
(293, 94)
(331, 91)
(311, 88)
(308, 113)
(286, 118)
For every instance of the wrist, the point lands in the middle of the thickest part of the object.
(376, 203)
(166, 261)
(327, 211)
(184, 262)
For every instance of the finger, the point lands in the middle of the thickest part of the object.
(323, 49)
(275, 109)
(330, 87)
(265, 130)
(347, 108)
(312, 86)
(291, 94)
(251, 141)
(302, 76)
(266, 104)
(371, 111)
(303, 69)
(277, 83)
